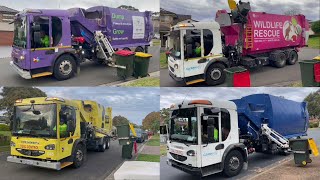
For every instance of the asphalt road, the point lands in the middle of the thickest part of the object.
(91, 74)
(265, 76)
(97, 167)
(256, 162)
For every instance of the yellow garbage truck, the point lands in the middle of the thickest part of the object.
(54, 132)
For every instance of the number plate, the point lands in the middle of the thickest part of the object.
(177, 152)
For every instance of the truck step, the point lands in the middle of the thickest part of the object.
(42, 74)
(194, 79)
(65, 164)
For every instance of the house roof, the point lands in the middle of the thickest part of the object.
(6, 9)
(167, 13)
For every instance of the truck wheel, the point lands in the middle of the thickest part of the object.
(293, 57)
(233, 163)
(215, 74)
(102, 147)
(108, 143)
(64, 67)
(139, 49)
(280, 60)
(79, 156)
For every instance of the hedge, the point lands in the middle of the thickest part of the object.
(4, 127)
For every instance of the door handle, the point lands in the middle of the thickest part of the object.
(51, 51)
(220, 146)
(70, 141)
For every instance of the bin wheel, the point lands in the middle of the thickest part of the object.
(65, 67)
(215, 74)
(293, 57)
(303, 163)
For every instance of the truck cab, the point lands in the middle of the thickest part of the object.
(41, 37)
(204, 138)
(195, 52)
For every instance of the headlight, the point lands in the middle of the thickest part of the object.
(21, 57)
(191, 153)
(176, 66)
(12, 144)
(50, 147)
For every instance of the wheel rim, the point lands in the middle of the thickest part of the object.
(108, 144)
(79, 155)
(234, 163)
(65, 67)
(215, 74)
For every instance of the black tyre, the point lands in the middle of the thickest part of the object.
(293, 57)
(233, 163)
(215, 74)
(279, 59)
(108, 143)
(65, 67)
(79, 156)
(139, 49)
(102, 147)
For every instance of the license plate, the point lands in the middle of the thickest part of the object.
(28, 162)
(177, 152)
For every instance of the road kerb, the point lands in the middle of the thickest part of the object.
(266, 169)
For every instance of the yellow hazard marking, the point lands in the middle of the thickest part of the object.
(317, 58)
(42, 74)
(50, 48)
(65, 164)
(195, 81)
(313, 147)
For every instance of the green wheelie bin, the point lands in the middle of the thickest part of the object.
(237, 77)
(301, 151)
(307, 69)
(127, 150)
(141, 64)
(124, 58)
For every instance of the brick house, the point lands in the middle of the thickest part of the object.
(6, 29)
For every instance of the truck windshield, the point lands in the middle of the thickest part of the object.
(35, 121)
(183, 127)
(20, 32)
(175, 44)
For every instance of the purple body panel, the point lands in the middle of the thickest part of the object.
(122, 27)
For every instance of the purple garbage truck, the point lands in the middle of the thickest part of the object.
(55, 42)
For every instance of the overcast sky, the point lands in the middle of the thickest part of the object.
(142, 5)
(133, 103)
(205, 10)
(171, 96)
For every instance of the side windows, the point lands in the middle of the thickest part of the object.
(225, 124)
(40, 32)
(56, 30)
(67, 120)
(193, 42)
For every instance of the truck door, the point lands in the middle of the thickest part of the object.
(67, 120)
(45, 33)
(198, 44)
(211, 146)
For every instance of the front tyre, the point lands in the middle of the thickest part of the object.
(215, 74)
(79, 156)
(65, 67)
(293, 57)
(233, 163)
(102, 147)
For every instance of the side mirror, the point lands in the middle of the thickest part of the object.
(210, 130)
(37, 38)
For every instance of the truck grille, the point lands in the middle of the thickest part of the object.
(30, 152)
(15, 59)
(178, 157)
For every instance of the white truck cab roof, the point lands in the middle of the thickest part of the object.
(209, 103)
(196, 25)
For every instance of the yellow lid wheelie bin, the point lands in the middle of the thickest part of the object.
(141, 64)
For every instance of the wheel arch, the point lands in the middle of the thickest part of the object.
(224, 61)
(70, 53)
(239, 147)
(76, 143)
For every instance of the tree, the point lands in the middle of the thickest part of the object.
(165, 115)
(152, 121)
(120, 120)
(11, 94)
(131, 8)
(316, 27)
(313, 100)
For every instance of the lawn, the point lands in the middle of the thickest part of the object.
(156, 42)
(4, 146)
(154, 141)
(163, 149)
(145, 82)
(5, 133)
(148, 157)
(314, 42)
(163, 60)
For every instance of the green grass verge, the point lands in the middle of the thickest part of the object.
(5, 133)
(148, 157)
(296, 84)
(314, 42)
(4, 148)
(163, 149)
(154, 141)
(163, 60)
(145, 82)
(156, 42)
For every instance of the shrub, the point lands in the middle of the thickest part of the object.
(4, 127)
(316, 27)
